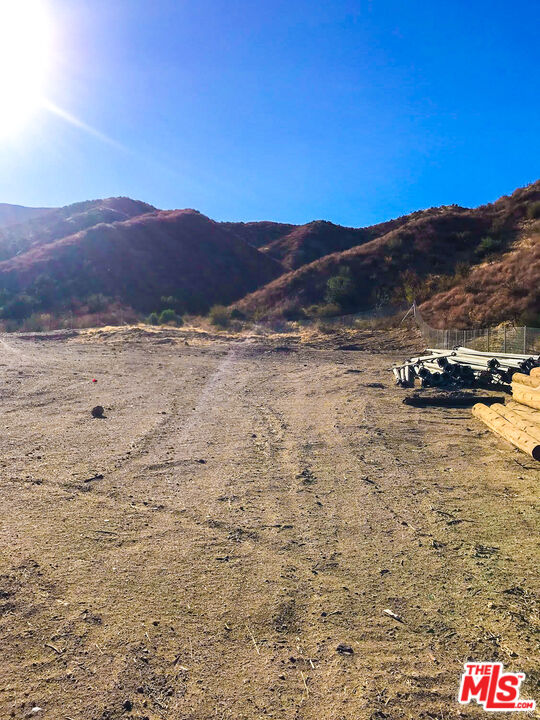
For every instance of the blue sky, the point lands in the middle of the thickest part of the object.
(350, 111)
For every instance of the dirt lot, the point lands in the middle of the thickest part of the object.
(248, 505)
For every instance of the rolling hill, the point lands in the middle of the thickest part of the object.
(15, 214)
(137, 261)
(426, 256)
(465, 266)
(57, 223)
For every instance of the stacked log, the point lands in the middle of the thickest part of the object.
(518, 421)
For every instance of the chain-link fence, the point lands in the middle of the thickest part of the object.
(502, 339)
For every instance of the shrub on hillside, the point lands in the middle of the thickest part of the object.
(45, 291)
(237, 314)
(324, 310)
(533, 211)
(21, 306)
(176, 303)
(169, 317)
(219, 315)
(36, 323)
(531, 318)
(152, 319)
(488, 245)
(341, 289)
(97, 303)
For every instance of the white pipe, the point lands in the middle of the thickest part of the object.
(469, 351)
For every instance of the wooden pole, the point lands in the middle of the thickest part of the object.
(524, 411)
(529, 380)
(526, 395)
(506, 430)
(519, 421)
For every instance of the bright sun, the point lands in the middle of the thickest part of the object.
(25, 61)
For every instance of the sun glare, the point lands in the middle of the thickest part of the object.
(25, 61)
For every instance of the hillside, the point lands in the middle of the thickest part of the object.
(297, 245)
(137, 261)
(306, 243)
(492, 288)
(15, 214)
(259, 234)
(425, 256)
(463, 266)
(60, 222)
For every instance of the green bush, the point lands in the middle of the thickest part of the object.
(237, 314)
(531, 318)
(21, 306)
(97, 303)
(45, 290)
(152, 319)
(533, 211)
(394, 242)
(35, 323)
(169, 317)
(488, 245)
(341, 289)
(219, 315)
(171, 301)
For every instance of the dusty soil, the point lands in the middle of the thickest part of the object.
(246, 506)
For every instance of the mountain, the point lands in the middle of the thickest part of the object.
(14, 214)
(306, 243)
(137, 261)
(463, 266)
(297, 245)
(60, 222)
(424, 256)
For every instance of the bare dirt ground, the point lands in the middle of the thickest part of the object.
(248, 505)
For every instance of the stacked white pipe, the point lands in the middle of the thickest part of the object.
(463, 367)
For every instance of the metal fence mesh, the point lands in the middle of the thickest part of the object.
(510, 339)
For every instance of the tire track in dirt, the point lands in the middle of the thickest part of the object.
(222, 588)
(348, 508)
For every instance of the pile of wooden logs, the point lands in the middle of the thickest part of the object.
(463, 367)
(518, 421)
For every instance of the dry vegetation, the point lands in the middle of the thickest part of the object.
(508, 286)
(180, 253)
(137, 258)
(426, 254)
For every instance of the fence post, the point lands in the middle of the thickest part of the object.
(525, 339)
(488, 339)
(504, 346)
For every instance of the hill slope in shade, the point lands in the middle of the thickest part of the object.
(428, 253)
(297, 245)
(306, 243)
(15, 214)
(491, 289)
(61, 222)
(178, 253)
(464, 266)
